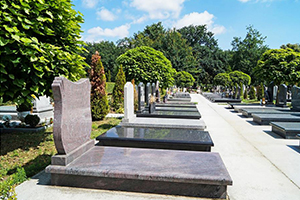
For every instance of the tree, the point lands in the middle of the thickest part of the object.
(295, 47)
(108, 76)
(145, 64)
(246, 52)
(39, 40)
(280, 66)
(238, 77)
(252, 93)
(184, 79)
(99, 102)
(118, 91)
(222, 79)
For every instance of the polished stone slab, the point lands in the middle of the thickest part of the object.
(232, 104)
(266, 119)
(147, 122)
(188, 173)
(157, 138)
(177, 109)
(247, 112)
(162, 105)
(170, 114)
(239, 109)
(180, 102)
(180, 99)
(287, 130)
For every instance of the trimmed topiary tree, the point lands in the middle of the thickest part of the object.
(184, 79)
(118, 91)
(99, 102)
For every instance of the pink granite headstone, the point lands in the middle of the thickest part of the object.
(72, 114)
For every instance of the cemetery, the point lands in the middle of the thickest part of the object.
(93, 108)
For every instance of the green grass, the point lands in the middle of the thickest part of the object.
(250, 101)
(31, 152)
(109, 87)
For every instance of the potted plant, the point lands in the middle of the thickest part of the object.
(23, 110)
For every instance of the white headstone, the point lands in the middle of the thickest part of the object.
(42, 104)
(128, 103)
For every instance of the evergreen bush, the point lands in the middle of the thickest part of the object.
(252, 92)
(118, 91)
(246, 94)
(99, 102)
(136, 103)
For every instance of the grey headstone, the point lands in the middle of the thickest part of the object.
(147, 93)
(296, 98)
(282, 95)
(270, 93)
(275, 90)
(42, 104)
(141, 97)
(153, 89)
(157, 94)
(128, 102)
(238, 96)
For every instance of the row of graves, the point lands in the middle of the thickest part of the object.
(285, 121)
(158, 150)
(231, 96)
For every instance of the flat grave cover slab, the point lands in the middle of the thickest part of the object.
(177, 109)
(219, 100)
(180, 102)
(240, 108)
(157, 138)
(159, 105)
(180, 99)
(232, 104)
(287, 130)
(266, 119)
(170, 114)
(248, 111)
(189, 173)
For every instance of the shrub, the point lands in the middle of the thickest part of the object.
(32, 120)
(118, 91)
(252, 92)
(246, 94)
(135, 96)
(99, 102)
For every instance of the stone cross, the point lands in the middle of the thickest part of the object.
(296, 98)
(72, 119)
(128, 103)
(147, 93)
(282, 95)
(141, 97)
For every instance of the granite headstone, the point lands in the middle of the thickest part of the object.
(157, 93)
(141, 97)
(282, 95)
(147, 93)
(270, 93)
(153, 89)
(296, 98)
(128, 102)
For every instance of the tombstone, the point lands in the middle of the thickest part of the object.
(275, 90)
(296, 98)
(141, 97)
(42, 104)
(282, 95)
(157, 94)
(147, 94)
(153, 89)
(128, 103)
(270, 93)
(238, 95)
(72, 119)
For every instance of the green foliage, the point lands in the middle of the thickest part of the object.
(32, 120)
(24, 107)
(109, 87)
(238, 77)
(39, 41)
(108, 76)
(252, 93)
(260, 91)
(242, 91)
(184, 79)
(135, 96)
(246, 52)
(280, 66)
(294, 47)
(245, 94)
(222, 79)
(145, 64)
(118, 91)
(99, 102)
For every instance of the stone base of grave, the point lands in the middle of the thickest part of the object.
(288, 130)
(170, 114)
(197, 174)
(266, 119)
(165, 123)
(163, 105)
(176, 109)
(179, 99)
(157, 138)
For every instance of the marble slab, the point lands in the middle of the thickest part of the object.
(177, 109)
(170, 114)
(157, 138)
(188, 173)
(266, 119)
(288, 130)
(147, 122)
(248, 112)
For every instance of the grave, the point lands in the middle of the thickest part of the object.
(170, 114)
(157, 138)
(164, 105)
(288, 130)
(79, 163)
(266, 119)
(217, 98)
(182, 95)
(141, 97)
(147, 94)
(247, 112)
(282, 96)
(177, 109)
(296, 98)
(270, 94)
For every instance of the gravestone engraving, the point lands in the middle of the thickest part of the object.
(282, 95)
(141, 97)
(157, 94)
(147, 93)
(296, 98)
(72, 119)
(128, 103)
(270, 93)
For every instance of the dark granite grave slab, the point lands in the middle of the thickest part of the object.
(266, 119)
(179, 99)
(188, 173)
(248, 112)
(225, 100)
(232, 104)
(157, 138)
(159, 105)
(180, 102)
(287, 130)
(176, 109)
(170, 114)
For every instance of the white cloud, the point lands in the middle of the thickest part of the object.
(106, 15)
(158, 9)
(97, 33)
(90, 3)
(204, 18)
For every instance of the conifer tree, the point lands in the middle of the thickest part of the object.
(252, 93)
(99, 102)
(118, 91)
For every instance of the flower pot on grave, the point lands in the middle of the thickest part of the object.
(22, 115)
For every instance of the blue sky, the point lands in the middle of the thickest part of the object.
(112, 20)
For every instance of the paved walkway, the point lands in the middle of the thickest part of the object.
(262, 165)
